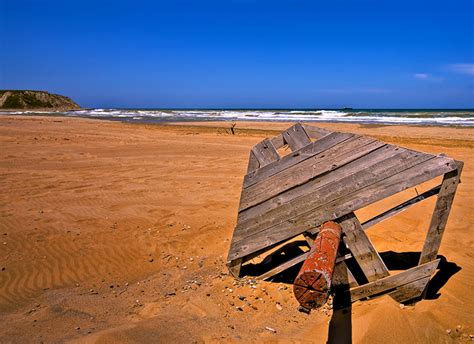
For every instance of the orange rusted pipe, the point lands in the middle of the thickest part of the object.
(312, 285)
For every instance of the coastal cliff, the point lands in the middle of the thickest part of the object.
(26, 99)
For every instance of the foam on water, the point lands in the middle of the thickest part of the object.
(414, 117)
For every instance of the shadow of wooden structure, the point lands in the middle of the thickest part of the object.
(328, 176)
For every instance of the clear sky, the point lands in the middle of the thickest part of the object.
(271, 54)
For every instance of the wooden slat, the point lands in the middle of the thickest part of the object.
(286, 265)
(343, 276)
(400, 208)
(362, 249)
(394, 281)
(315, 132)
(234, 267)
(265, 152)
(355, 175)
(312, 188)
(440, 214)
(345, 204)
(295, 157)
(409, 291)
(278, 141)
(306, 170)
(253, 163)
(296, 137)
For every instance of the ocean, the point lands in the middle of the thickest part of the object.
(433, 117)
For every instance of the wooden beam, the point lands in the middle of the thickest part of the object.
(343, 276)
(265, 152)
(296, 137)
(394, 281)
(409, 291)
(441, 213)
(362, 249)
(286, 265)
(235, 266)
(253, 163)
(400, 208)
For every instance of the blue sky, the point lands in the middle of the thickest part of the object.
(271, 54)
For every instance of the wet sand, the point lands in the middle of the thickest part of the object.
(115, 232)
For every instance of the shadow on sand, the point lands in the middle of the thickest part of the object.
(340, 326)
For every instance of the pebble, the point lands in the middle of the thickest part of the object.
(150, 260)
(458, 327)
(402, 306)
(279, 307)
(270, 329)
(448, 331)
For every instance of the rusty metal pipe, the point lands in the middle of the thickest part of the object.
(312, 285)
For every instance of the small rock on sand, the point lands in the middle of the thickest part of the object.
(270, 329)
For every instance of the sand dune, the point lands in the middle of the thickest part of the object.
(114, 232)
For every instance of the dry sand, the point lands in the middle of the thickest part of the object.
(113, 232)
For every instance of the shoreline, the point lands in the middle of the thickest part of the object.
(370, 117)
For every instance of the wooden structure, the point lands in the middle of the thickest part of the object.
(327, 177)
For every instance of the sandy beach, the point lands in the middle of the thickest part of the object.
(118, 233)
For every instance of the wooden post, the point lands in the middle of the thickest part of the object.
(311, 286)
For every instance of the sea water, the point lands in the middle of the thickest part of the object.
(438, 117)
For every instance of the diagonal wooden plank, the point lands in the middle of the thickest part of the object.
(343, 205)
(295, 157)
(362, 249)
(282, 267)
(409, 291)
(400, 208)
(343, 276)
(265, 152)
(394, 281)
(307, 169)
(355, 175)
(253, 163)
(296, 137)
(440, 214)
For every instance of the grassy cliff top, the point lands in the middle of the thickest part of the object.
(31, 99)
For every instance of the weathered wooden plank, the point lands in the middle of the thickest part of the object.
(393, 281)
(343, 276)
(286, 265)
(296, 137)
(265, 152)
(315, 132)
(343, 205)
(296, 157)
(355, 175)
(362, 249)
(253, 163)
(440, 214)
(278, 141)
(235, 266)
(409, 291)
(400, 208)
(306, 170)
(312, 188)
